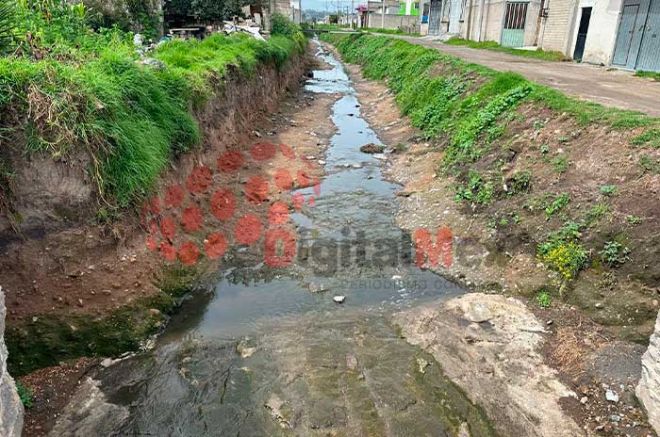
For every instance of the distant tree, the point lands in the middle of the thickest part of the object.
(203, 11)
(130, 15)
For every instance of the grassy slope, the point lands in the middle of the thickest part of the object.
(132, 118)
(492, 45)
(468, 110)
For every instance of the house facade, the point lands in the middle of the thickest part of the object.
(619, 33)
(397, 15)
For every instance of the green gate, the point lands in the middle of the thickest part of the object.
(513, 31)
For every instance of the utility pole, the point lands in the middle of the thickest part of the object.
(382, 16)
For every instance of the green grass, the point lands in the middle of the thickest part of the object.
(543, 299)
(492, 45)
(655, 75)
(448, 98)
(132, 119)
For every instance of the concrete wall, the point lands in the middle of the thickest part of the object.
(603, 26)
(394, 21)
(11, 408)
(558, 29)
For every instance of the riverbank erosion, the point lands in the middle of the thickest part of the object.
(89, 149)
(547, 198)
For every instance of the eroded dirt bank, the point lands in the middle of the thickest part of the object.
(490, 255)
(80, 288)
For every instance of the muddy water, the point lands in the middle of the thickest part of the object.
(264, 355)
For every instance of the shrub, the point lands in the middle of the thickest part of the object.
(281, 25)
(520, 182)
(560, 164)
(7, 16)
(608, 190)
(557, 204)
(565, 257)
(543, 299)
(614, 253)
(24, 394)
(476, 190)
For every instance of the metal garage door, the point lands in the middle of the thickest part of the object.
(649, 51)
(627, 33)
(513, 32)
(638, 40)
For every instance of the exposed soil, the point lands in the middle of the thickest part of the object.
(588, 356)
(52, 387)
(91, 268)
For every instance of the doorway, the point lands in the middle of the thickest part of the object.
(435, 17)
(582, 34)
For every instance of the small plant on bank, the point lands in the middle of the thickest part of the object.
(557, 204)
(614, 254)
(281, 25)
(520, 182)
(649, 165)
(608, 190)
(565, 257)
(543, 299)
(560, 164)
(633, 220)
(545, 149)
(596, 213)
(25, 394)
(476, 190)
(538, 125)
(562, 251)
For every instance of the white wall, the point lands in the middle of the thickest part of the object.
(558, 29)
(603, 27)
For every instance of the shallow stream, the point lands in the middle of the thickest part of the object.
(264, 355)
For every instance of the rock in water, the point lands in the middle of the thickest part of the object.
(648, 389)
(11, 408)
(372, 148)
(339, 299)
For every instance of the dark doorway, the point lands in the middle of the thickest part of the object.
(582, 34)
(435, 17)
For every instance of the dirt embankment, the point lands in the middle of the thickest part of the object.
(495, 247)
(90, 289)
(72, 275)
